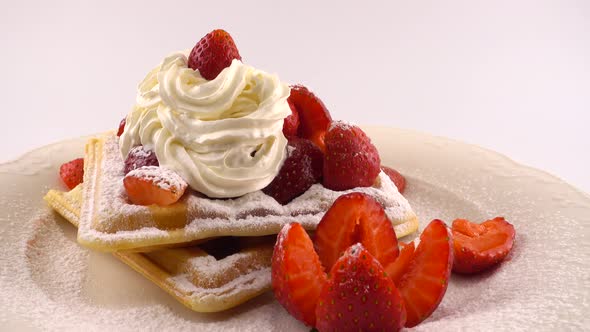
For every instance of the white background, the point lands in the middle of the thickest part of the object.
(512, 76)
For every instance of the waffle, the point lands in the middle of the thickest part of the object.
(214, 276)
(108, 222)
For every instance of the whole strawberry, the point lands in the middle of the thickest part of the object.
(350, 160)
(301, 169)
(72, 172)
(213, 53)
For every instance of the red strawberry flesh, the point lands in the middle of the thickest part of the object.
(355, 217)
(297, 274)
(314, 117)
(291, 123)
(425, 280)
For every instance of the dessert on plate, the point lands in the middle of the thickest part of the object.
(215, 180)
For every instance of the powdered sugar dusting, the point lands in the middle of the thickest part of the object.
(252, 214)
(160, 176)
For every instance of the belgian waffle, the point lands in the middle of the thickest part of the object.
(108, 222)
(214, 276)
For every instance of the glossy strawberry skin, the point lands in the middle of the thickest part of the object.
(425, 280)
(214, 52)
(138, 157)
(398, 179)
(353, 218)
(144, 189)
(359, 296)
(350, 160)
(314, 117)
(291, 122)
(297, 276)
(301, 169)
(72, 172)
(478, 247)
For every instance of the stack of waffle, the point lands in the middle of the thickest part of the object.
(210, 254)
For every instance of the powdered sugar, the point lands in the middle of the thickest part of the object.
(252, 214)
(160, 176)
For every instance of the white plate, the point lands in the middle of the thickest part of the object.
(49, 282)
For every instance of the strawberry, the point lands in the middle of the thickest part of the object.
(122, 126)
(480, 246)
(355, 217)
(396, 270)
(350, 160)
(359, 296)
(213, 53)
(396, 177)
(301, 169)
(72, 172)
(154, 185)
(313, 115)
(297, 276)
(425, 279)
(291, 123)
(138, 157)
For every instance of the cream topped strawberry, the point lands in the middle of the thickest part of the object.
(149, 185)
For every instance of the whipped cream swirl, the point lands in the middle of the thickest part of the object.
(223, 136)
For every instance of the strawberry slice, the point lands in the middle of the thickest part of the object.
(397, 179)
(359, 296)
(480, 246)
(213, 53)
(149, 185)
(355, 217)
(314, 117)
(297, 276)
(72, 172)
(396, 270)
(291, 122)
(425, 280)
(122, 126)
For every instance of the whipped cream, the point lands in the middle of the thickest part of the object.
(223, 136)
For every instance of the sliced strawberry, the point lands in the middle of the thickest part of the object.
(425, 280)
(301, 169)
(480, 246)
(213, 53)
(138, 157)
(297, 275)
(72, 172)
(398, 179)
(154, 185)
(355, 217)
(359, 296)
(122, 126)
(350, 160)
(396, 270)
(314, 117)
(291, 123)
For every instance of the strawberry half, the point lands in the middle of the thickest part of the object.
(72, 172)
(353, 218)
(350, 160)
(297, 275)
(480, 246)
(154, 185)
(314, 118)
(425, 279)
(359, 296)
(396, 178)
(396, 270)
(213, 53)
(291, 122)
